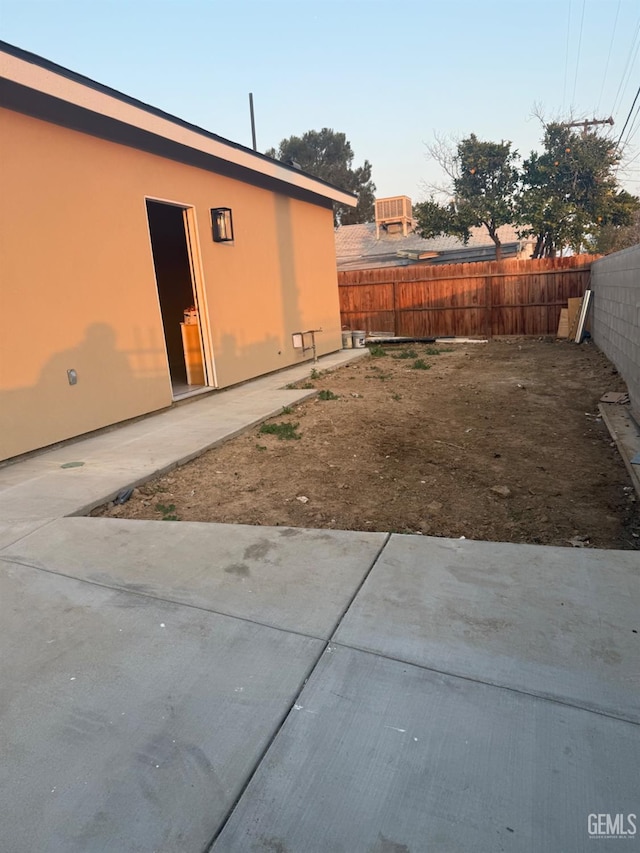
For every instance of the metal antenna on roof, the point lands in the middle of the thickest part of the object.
(253, 122)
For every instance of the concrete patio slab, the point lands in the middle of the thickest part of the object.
(10, 533)
(289, 578)
(487, 704)
(556, 622)
(131, 724)
(379, 756)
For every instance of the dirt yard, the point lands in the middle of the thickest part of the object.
(497, 441)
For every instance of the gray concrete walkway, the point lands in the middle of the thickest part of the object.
(200, 687)
(40, 487)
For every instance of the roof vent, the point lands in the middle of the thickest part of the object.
(394, 213)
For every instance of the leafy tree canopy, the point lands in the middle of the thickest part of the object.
(569, 192)
(614, 238)
(328, 155)
(484, 179)
(566, 196)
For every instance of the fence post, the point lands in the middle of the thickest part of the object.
(395, 308)
(488, 298)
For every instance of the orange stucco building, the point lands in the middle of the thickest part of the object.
(107, 239)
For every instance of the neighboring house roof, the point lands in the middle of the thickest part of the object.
(357, 247)
(30, 81)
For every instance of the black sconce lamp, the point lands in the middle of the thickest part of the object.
(222, 224)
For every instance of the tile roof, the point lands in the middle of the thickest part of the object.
(355, 242)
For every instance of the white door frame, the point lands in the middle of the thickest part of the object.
(197, 282)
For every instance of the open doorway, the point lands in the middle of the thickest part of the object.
(172, 260)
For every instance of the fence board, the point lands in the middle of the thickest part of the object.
(512, 297)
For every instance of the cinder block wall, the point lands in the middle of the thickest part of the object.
(615, 281)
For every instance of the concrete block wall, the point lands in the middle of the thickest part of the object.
(615, 321)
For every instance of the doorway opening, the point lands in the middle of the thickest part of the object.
(177, 293)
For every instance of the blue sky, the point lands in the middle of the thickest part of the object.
(387, 73)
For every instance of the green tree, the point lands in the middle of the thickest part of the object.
(614, 238)
(484, 179)
(569, 192)
(328, 155)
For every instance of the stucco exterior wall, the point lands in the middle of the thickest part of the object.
(78, 285)
(615, 281)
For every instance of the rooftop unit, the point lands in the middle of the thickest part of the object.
(394, 215)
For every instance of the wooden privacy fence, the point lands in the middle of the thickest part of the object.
(509, 297)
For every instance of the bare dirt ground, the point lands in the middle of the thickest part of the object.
(499, 441)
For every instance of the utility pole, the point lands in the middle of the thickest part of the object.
(586, 123)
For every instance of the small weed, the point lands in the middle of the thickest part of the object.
(420, 364)
(315, 374)
(168, 512)
(285, 430)
(292, 386)
(396, 397)
(287, 410)
(261, 447)
(381, 376)
(150, 489)
(327, 395)
(407, 353)
(305, 385)
(376, 351)
(433, 351)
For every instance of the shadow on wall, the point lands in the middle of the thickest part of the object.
(238, 363)
(107, 391)
(298, 276)
(289, 288)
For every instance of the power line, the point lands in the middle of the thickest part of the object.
(631, 66)
(627, 68)
(566, 59)
(633, 129)
(632, 160)
(606, 68)
(575, 79)
(628, 117)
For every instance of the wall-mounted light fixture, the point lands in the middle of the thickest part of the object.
(222, 224)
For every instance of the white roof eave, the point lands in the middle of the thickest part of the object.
(59, 86)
